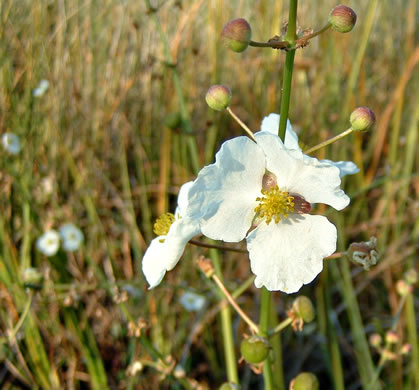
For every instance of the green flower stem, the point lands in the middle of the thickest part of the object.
(329, 141)
(265, 306)
(291, 37)
(280, 327)
(226, 327)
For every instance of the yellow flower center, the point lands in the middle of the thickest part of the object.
(162, 225)
(274, 205)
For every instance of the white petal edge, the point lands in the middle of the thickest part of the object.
(154, 262)
(270, 124)
(182, 199)
(306, 176)
(223, 197)
(287, 255)
(165, 252)
(345, 167)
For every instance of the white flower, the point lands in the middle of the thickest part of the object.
(41, 88)
(48, 243)
(192, 302)
(72, 237)
(271, 123)
(263, 192)
(165, 251)
(11, 143)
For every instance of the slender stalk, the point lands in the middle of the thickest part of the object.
(281, 326)
(242, 124)
(265, 306)
(214, 246)
(329, 141)
(226, 328)
(233, 303)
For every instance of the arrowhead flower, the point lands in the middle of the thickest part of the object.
(270, 124)
(263, 192)
(174, 232)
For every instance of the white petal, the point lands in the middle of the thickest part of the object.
(306, 176)
(154, 262)
(182, 199)
(345, 167)
(48, 243)
(192, 302)
(165, 252)
(286, 255)
(223, 197)
(71, 236)
(178, 236)
(271, 124)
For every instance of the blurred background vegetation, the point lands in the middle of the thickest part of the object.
(108, 145)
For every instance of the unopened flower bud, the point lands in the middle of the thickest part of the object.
(403, 288)
(32, 278)
(342, 18)
(362, 119)
(218, 97)
(375, 340)
(392, 337)
(405, 349)
(364, 253)
(173, 120)
(303, 308)
(237, 34)
(229, 386)
(305, 381)
(254, 349)
(411, 276)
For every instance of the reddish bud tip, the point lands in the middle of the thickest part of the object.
(342, 18)
(237, 34)
(362, 119)
(218, 97)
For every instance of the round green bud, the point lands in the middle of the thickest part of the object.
(173, 120)
(218, 97)
(237, 34)
(392, 337)
(32, 278)
(362, 119)
(305, 381)
(342, 18)
(254, 349)
(304, 309)
(411, 276)
(229, 386)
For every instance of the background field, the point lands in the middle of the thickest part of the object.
(97, 151)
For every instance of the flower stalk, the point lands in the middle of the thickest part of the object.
(329, 141)
(242, 124)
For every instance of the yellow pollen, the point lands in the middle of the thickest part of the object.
(274, 204)
(162, 225)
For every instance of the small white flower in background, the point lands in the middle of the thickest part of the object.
(192, 301)
(263, 192)
(174, 232)
(71, 236)
(11, 143)
(49, 243)
(41, 88)
(271, 123)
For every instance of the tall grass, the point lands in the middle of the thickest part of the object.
(99, 136)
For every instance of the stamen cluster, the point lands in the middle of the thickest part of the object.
(274, 204)
(162, 225)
